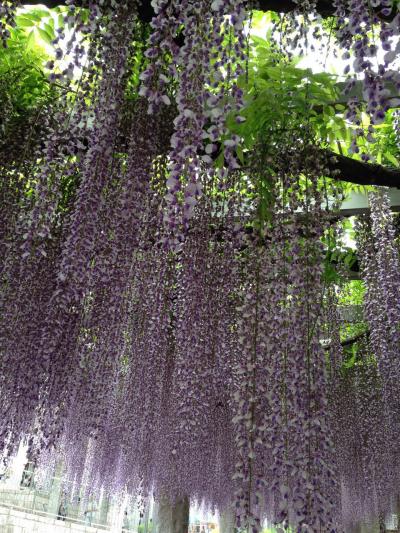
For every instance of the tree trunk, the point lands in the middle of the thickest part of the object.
(56, 491)
(104, 509)
(180, 516)
(227, 521)
(171, 518)
(146, 514)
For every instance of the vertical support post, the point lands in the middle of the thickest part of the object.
(146, 514)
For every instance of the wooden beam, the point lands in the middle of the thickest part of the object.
(357, 203)
(323, 7)
(145, 9)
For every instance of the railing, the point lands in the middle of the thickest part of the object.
(64, 522)
(30, 500)
(28, 497)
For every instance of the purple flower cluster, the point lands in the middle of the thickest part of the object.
(204, 70)
(198, 369)
(286, 467)
(8, 9)
(380, 263)
(364, 397)
(363, 30)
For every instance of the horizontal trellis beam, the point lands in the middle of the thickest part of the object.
(324, 7)
(357, 203)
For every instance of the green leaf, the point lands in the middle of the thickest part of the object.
(239, 153)
(330, 274)
(45, 36)
(24, 22)
(30, 42)
(49, 30)
(60, 21)
(259, 41)
(351, 362)
(38, 14)
(392, 159)
(219, 162)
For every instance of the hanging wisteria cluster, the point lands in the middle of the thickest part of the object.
(166, 327)
(367, 33)
(8, 9)
(365, 29)
(363, 397)
(206, 91)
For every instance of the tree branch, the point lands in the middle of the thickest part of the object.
(48, 3)
(353, 171)
(351, 340)
(356, 338)
(325, 8)
(345, 168)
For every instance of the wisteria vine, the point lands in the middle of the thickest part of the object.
(166, 323)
